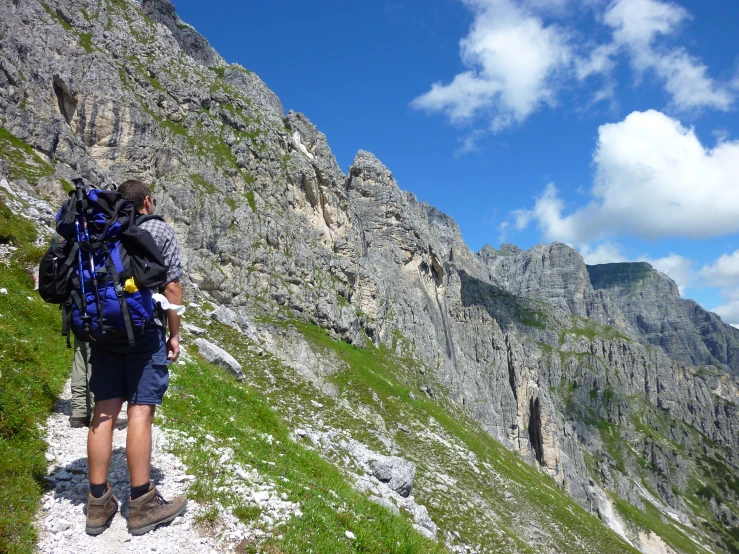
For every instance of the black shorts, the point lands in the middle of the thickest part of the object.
(139, 373)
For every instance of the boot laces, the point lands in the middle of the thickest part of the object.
(159, 499)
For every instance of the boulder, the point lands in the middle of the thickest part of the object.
(219, 356)
(396, 472)
(226, 316)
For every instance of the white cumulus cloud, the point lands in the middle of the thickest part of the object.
(640, 21)
(729, 311)
(653, 179)
(724, 272)
(513, 59)
(604, 253)
(676, 267)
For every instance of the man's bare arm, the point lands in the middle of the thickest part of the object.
(173, 293)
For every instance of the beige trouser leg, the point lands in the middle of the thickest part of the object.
(82, 399)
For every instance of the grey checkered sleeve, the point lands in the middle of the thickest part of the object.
(166, 240)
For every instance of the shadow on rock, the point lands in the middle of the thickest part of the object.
(70, 481)
(63, 406)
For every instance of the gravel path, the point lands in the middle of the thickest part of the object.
(61, 520)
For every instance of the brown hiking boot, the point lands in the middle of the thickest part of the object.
(151, 510)
(100, 511)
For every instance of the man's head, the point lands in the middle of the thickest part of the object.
(140, 195)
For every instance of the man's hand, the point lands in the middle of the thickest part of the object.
(173, 293)
(173, 348)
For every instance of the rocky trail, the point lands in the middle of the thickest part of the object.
(61, 520)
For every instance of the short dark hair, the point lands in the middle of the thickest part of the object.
(135, 191)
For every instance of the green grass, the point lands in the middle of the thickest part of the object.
(377, 380)
(15, 230)
(249, 195)
(209, 400)
(34, 363)
(589, 329)
(23, 162)
(56, 17)
(247, 513)
(66, 186)
(86, 42)
(651, 518)
(203, 184)
(613, 444)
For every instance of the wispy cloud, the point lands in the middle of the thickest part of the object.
(637, 25)
(519, 56)
(729, 310)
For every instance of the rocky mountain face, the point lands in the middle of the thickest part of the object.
(625, 394)
(633, 297)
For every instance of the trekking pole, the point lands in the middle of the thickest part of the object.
(85, 316)
(93, 272)
(81, 191)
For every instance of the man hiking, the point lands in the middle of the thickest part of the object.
(138, 374)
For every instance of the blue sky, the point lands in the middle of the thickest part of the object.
(611, 125)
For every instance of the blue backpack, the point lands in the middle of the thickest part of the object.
(104, 270)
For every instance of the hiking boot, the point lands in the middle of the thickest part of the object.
(150, 511)
(76, 422)
(100, 511)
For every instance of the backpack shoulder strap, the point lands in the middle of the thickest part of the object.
(143, 218)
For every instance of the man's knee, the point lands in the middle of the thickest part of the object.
(106, 410)
(141, 411)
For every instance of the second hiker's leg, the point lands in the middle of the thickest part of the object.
(138, 443)
(100, 439)
(85, 350)
(81, 409)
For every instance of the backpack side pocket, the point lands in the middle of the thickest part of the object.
(55, 270)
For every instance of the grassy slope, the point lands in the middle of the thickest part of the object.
(205, 399)
(374, 398)
(34, 363)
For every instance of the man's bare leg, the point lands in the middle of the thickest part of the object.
(100, 439)
(138, 443)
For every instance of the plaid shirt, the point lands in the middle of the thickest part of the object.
(167, 242)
